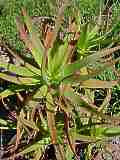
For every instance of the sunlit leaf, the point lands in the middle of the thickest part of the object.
(70, 69)
(103, 132)
(34, 43)
(112, 131)
(13, 89)
(59, 59)
(93, 33)
(22, 71)
(41, 93)
(38, 154)
(59, 151)
(93, 83)
(3, 122)
(9, 92)
(35, 146)
(19, 80)
(88, 38)
(50, 103)
(69, 154)
(81, 44)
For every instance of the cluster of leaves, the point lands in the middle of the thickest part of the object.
(56, 87)
(9, 9)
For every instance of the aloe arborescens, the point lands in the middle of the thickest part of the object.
(51, 83)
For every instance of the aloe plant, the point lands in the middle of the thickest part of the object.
(51, 82)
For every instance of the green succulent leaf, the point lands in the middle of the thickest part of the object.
(9, 92)
(88, 39)
(49, 103)
(31, 148)
(106, 131)
(38, 154)
(33, 40)
(79, 100)
(58, 61)
(13, 89)
(21, 71)
(83, 137)
(93, 83)
(83, 39)
(19, 80)
(69, 154)
(85, 82)
(3, 122)
(92, 34)
(35, 146)
(41, 93)
(70, 69)
(93, 60)
(112, 131)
